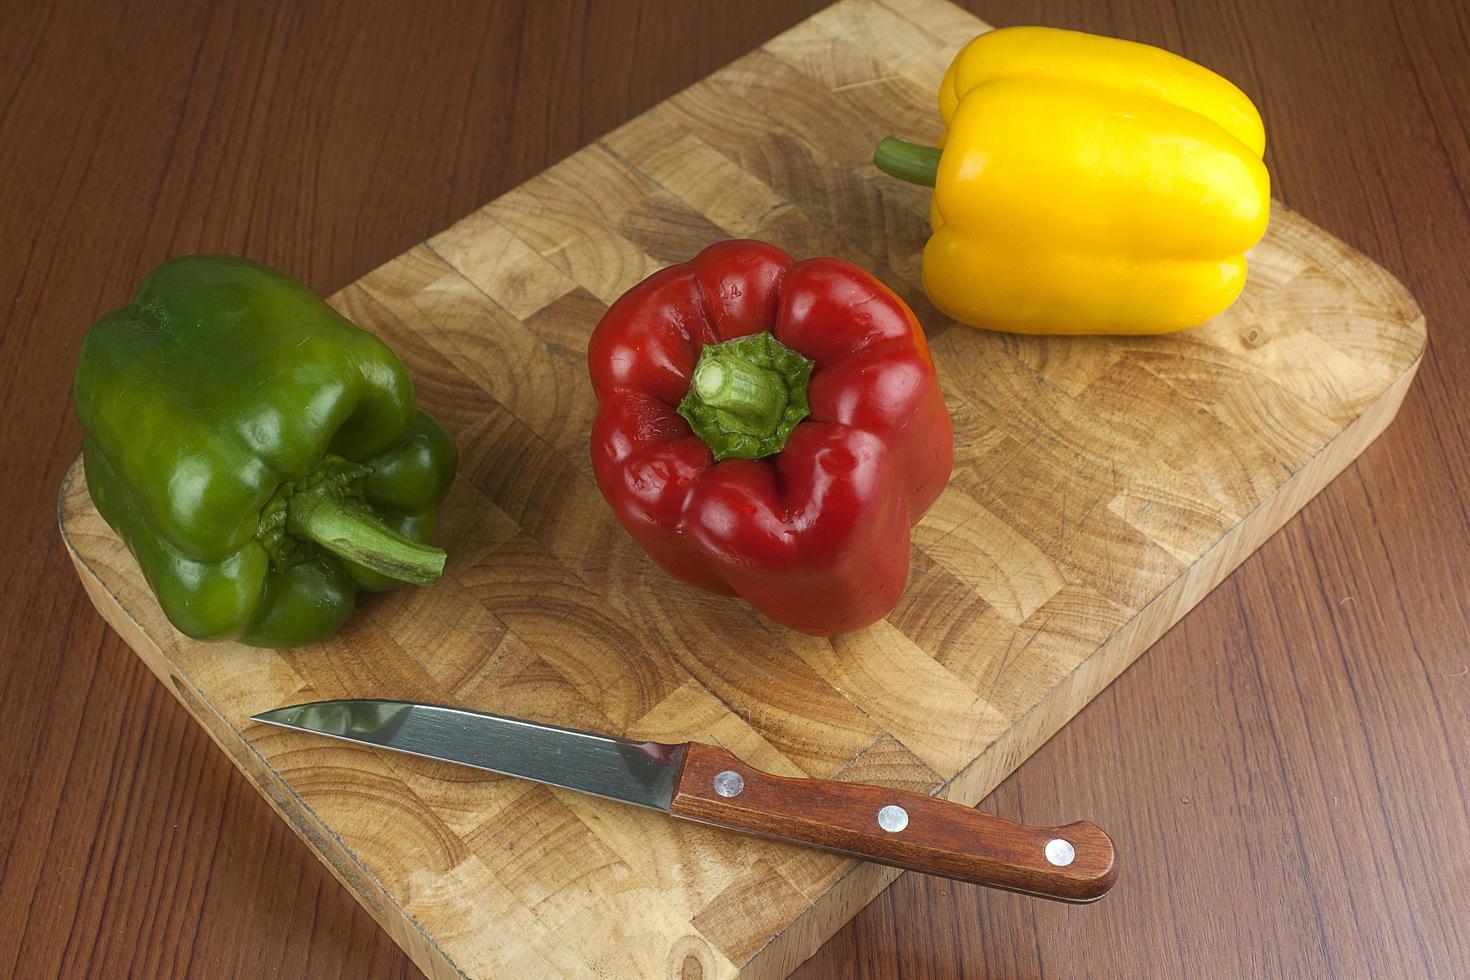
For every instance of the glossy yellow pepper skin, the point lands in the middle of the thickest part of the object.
(1087, 185)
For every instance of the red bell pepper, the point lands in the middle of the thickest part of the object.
(770, 429)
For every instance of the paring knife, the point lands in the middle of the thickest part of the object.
(707, 784)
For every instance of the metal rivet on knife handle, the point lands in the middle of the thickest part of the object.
(893, 818)
(729, 783)
(1060, 852)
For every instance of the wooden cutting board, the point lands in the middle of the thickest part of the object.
(1101, 488)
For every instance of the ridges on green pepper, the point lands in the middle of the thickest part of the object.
(260, 455)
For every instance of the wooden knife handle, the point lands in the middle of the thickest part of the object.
(1074, 863)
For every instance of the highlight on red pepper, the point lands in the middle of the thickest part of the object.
(771, 429)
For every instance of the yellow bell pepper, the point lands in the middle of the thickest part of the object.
(1087, 185)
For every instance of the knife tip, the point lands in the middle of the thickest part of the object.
(274, 716)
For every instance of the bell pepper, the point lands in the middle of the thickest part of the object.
(1086, 185)
(770, 429)
(259, 454)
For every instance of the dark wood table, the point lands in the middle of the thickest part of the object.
(1287, 774)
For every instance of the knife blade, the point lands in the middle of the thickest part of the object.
(707, 784)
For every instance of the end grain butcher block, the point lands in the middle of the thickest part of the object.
(1101, 488)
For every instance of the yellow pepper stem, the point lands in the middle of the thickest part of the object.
(907, 161)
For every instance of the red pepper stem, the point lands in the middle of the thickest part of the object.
(747, 395)
(348, 530)
(732, 384)
(908, 161)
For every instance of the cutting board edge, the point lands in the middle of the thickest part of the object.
(999, 759)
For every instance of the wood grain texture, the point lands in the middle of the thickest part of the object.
(1102, 487)
(1321, 687)
(929, 835)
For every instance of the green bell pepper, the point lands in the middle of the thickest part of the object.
(259, 454)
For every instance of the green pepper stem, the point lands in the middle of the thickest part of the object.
(350, 531)
(733, 384)
(907, 161)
